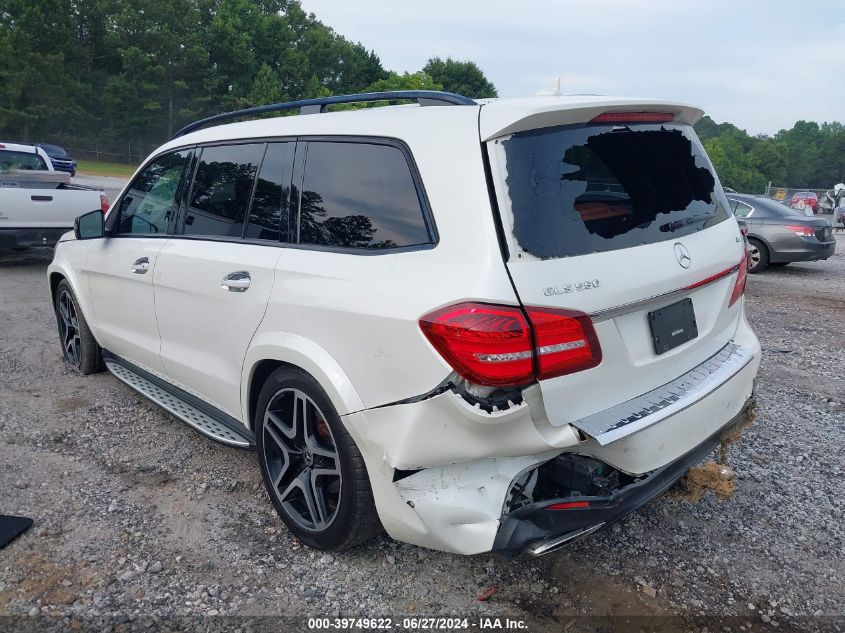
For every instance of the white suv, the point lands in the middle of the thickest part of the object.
(495, 325)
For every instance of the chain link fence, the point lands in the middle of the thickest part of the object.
(125, 152)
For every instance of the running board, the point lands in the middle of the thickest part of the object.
(183, 406)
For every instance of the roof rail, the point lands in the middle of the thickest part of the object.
(313, 106)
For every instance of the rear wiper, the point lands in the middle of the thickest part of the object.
(677, 224)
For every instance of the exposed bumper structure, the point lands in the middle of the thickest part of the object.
(443, 470)
(537, 529)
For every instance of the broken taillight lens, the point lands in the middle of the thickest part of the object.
(741, 278)
(633, 117)
(502, 345)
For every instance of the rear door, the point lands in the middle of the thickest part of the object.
(628, 224)
(214, 278)
(121, 268)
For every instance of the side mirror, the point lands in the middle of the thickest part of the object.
(89, 226)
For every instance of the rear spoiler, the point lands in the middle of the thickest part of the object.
(499, 118)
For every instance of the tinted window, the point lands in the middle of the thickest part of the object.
(268, 218)
(359, 195)
(222, 189)
(149, 203)
(20, 160)
(595, 188)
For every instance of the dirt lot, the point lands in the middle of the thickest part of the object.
(137, 517)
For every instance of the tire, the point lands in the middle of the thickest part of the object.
(79, 347)
(331, 511)
(758, 256)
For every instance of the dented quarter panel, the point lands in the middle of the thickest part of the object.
(461, 504)
(446, 429)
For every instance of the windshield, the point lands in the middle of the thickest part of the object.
(593, 188)
(54, 149)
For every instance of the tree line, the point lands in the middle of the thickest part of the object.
(126, 74)
(807, 156)
(118, 73)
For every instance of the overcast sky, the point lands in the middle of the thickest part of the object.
(760, 65)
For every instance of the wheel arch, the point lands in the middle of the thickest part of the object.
(761, 239)
(272, 350)
(55, 278)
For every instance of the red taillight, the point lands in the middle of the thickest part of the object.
(633, 117)
(801, 230)
(104, 203)
(486, 344)
(741, 278)
(568, 505)
(498, 346)
(565, 341)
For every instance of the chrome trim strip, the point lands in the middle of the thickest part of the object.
(550, 545)
(176, 407)
(633, 306)
(655, 406)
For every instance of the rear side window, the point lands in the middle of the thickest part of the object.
(21, 160)
(585, 189)
(359, 195)
(743, 210)
(222, 190)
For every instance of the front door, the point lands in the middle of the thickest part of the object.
(122, 267)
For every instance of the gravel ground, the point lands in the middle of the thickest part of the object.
(139, 519)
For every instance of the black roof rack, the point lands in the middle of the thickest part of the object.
(313, 106)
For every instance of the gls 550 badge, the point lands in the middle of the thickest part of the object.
(567, 288)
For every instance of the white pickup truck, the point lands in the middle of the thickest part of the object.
(38, 204)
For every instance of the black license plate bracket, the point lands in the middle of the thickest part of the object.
(672, 326)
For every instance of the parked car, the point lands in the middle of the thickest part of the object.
(416, 320)
(62, 161)
(778, 235)
(38, 204)
(800, 199)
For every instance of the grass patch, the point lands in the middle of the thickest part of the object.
(96, 168)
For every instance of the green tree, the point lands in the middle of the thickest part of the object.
(464, 78)
(266, 87)
(36, 40)
(406, 81)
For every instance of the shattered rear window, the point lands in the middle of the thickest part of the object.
(585, 189)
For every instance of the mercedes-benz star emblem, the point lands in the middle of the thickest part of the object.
(682, 255)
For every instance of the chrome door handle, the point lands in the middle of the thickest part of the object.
(236, 282)
(141, 266)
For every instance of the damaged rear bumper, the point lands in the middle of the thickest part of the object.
(443, 470)
(539, 528)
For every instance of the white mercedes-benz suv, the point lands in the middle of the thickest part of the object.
(478, 325)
